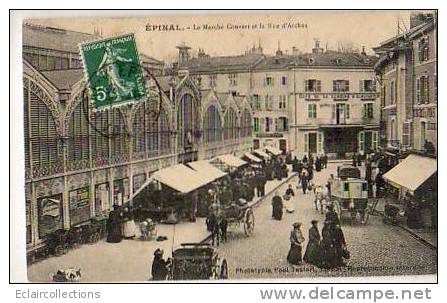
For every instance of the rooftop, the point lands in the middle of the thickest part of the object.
(64, 79)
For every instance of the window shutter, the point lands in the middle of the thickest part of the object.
(347, 110)
(374, 85)
(305, 85)
(334, 111)
(361, 86)
(318, 85)
(418, 90)
(427, 89)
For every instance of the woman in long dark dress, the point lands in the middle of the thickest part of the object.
(328, 249)
(114, 231)
(296, 239)
(277, 207)
(312, 255)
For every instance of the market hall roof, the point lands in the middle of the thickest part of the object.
(64, 79)
(54, 38)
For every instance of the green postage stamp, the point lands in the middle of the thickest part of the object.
(114, 73)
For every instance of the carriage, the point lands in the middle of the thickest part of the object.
(197, 261)
(349, 193)
(240, 214)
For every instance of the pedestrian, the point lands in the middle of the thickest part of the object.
(160, 267)
(128, 224)
(312, 254)
(310, 172)
(277, 207)
(311, 160)
(287, 199)
(354, 159)
(223, 226)
(305, 159)
(380, 183)
(304, 182)
(114, 232)
(332, 245)
(413, 215)
(296, 239)
(359, 160)
(212, 224)
(325, 159)
(295, 164)
(318, 164)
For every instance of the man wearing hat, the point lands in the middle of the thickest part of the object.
(312, 255)
(160, 267)
(296, 239)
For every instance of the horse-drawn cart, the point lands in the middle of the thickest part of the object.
(197, 261)
(349, 193)
(240, 214)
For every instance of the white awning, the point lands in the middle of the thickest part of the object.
(262, 153)
(275, 151)
(231, 160)
(252, 157)
(181, 178)
(411, 172)
(206, 169)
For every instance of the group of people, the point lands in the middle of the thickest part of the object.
(328, 250)
(120, 224)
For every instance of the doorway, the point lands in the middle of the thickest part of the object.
(312, 142)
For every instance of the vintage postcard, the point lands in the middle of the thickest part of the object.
(230, 146)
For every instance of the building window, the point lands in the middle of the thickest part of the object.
(283, 80)
(268, 123)
(340, 85)
(282, 124)
(423, 49)
(268, 81)
(246, 123)
(392, 92)
(282, 104)
(256, 125)
(232, 79)
(268, 102)
(383, 96)
(212, 125)
(256, 102)
(212, 79)
(78, 142)
(367, 86)
(368, 111)
(406, 134)
(422, 90)
(230, 123)
(312, 110)
(312, 85)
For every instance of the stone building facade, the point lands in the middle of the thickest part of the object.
(302, 103)
(408, 74)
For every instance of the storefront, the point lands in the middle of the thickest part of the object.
(79, 202)
(50, 217)
(102, 198)
(120, 191)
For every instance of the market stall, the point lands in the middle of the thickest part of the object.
(273, 150)
(252, 158)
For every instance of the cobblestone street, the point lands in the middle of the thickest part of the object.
(376, 248)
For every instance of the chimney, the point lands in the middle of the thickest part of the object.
(183, 54)
(317, 49)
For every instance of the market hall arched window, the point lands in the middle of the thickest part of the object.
(139, 134)
(246, 128)
(230, 124)
(99, 134)
(118, 135)
(212, 125)
(164, 132)
(187, 121)
(78, 139)
(43, 146)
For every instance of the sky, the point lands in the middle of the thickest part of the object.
(357, 28)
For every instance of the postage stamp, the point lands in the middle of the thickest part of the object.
(113, 70)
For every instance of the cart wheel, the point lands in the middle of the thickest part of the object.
(249, 222)
(224, 270)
